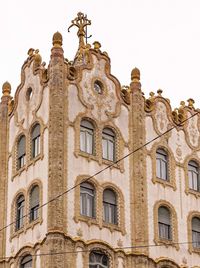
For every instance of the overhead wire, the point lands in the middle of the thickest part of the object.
(97, 173)
(53, 253)
(102, 170)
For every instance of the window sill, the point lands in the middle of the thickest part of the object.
(26, 227)
(88, 156)
(193, 192)
(118, 165)
(113, 227)
(88, 220)
(194, 250)
(167, 243)
(164, 183)
(32, 224)
(17, 233)
(27, 165)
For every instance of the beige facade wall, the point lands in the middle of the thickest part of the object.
(63, 95)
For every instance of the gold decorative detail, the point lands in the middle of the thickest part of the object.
(79, 232)
(179, 115)
(149, 103)
(171, 182)
(125, 93)
(174, 225)
(119, 243)
(194, 158)
(97, 45)
(10, 106)
(98, 128)
(191, 103)
(37, 58)
(57, 39)
(192, 215)
(81, 22)
(135, 75)
(98, 220)
(6, 89)
(30, 52)
(159, 91)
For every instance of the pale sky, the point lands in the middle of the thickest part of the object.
(160, 37)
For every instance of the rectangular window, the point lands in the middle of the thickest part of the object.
(196, 239)
(164, 231)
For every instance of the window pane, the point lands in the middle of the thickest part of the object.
(87, 199)
(110, 150)
(108, 144)
(98, 260)
(193, 175)
(20, 212)
(82, 141)
(87, 137)
(21, 146)
(158, 168)
(161, 164)
(34, 203)
(110, 207)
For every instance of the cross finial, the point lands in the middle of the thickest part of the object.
(81, 22)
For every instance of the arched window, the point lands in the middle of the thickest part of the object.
(21, 152)
(193, 175)
(98, 260)
(35, 141)
(162, 164)
(87, 199)
(20, 212)
(109, 206)
(26, 262)
(34, 203)
(87, 137)
(108, 144)
(164, 223)
(196, 232)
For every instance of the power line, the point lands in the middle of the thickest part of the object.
(87, 250)
(102, 170)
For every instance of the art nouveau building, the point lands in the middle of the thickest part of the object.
(94, 174)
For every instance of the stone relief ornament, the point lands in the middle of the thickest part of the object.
(193, 131)
(161, 117)
(98, 91)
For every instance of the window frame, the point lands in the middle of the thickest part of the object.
(35, 141)
(29, 259)
(34, 209)
(21, 156)
(110, 210)
(163, 159)
(173, 242)
(87, 132)
(165, 227)
(87, 194)
(95, 263)
(109, 139)
(196, 233)
(20, 209)
(192, 164)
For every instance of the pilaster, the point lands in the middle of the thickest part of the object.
(138, 186)
(55, 221)
(4, 107)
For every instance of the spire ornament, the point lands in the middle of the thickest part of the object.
(81, 22)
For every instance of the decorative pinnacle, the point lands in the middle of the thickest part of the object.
(135, 75)
(97, 45)
(57, 39)
(191, 103)
(81, 22)
(6, 89)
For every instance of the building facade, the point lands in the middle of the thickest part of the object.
(94, 174)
